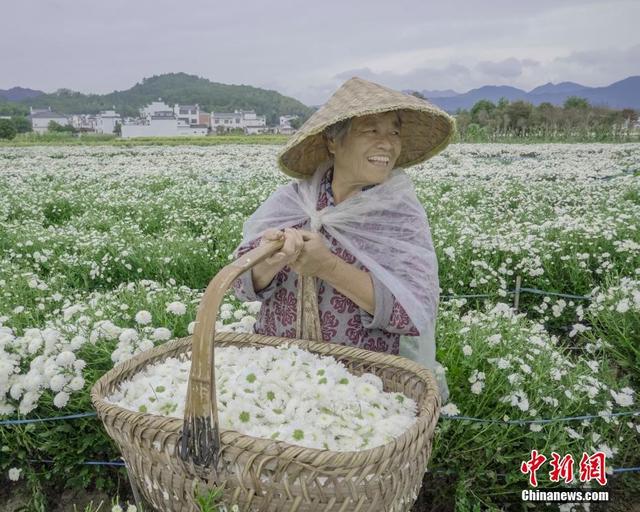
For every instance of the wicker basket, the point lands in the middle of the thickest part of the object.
(168, 458)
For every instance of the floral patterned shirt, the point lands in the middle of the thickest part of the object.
(343, 321)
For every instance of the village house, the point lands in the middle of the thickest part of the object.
(106, 121)
(40, 119)
(160, 120)
(284, 127)
(246, 120)
(84, 122)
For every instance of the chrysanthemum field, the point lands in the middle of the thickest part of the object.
(104, 253)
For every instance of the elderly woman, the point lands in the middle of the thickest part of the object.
(357, 255)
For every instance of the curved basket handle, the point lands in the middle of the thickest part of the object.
(200, 437)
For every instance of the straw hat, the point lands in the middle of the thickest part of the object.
(426, 129)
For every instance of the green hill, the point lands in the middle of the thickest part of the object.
(172, 88)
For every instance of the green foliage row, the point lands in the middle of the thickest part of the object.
(68, 139)
(575, 121)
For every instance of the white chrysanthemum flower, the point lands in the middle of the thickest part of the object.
(61, 399)
(57, 382)
(77, 383)
(254, 307)
(77, 342)
(176, 308)
(65, 358)
(128, 335)
(247, 322)
(450, 409)
(372, 379)
(144, 345)
(366, 390)
(238, 314)
(494, 339)
(572, 433)
(476, 387)
(14, 474)
(467, 350)
(161, 334)
(622, 399)
(535, 427)
(191, 327)
(623, 306)
(143, 317)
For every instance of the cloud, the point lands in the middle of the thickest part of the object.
(507, 68)
(419, 78)
(598, 67)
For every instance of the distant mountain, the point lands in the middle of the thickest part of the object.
(172, 88)
(622, 94)
(19, 93)
(562, 87)
(213, 96)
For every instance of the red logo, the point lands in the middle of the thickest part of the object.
(562, 468)
(532, 465)
(591, 467)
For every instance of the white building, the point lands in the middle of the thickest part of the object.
(84, 122)
(188, 113)
(225, 121)
(153, 108)
(246, 120)
(106, 121)
(285, 127)
(40, 119)
(254, 123)
(160, 120)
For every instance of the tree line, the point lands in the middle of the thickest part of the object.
(576, 120)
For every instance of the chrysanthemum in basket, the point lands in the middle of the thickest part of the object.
(343, 262)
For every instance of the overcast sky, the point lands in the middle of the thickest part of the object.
(306, 49)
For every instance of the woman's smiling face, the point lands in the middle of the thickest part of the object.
(370, 148)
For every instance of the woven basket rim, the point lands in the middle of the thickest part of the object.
(301, 454)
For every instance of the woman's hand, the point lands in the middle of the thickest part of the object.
(315, 258)
(291, 249)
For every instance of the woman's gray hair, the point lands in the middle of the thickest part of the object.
(337, 131)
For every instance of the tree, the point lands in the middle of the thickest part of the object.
(630, 116)
(519, 113)
(483, 105)
(295, 123)
(57, 127)
(418, 95)
(117, 129)
(576, 102)
(7, 129)
(22, 124)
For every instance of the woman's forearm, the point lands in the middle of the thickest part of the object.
(263, 273)
(351, 282)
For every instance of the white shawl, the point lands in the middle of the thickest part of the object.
(386, 229)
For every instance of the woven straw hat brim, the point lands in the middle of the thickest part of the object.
(426, 129)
